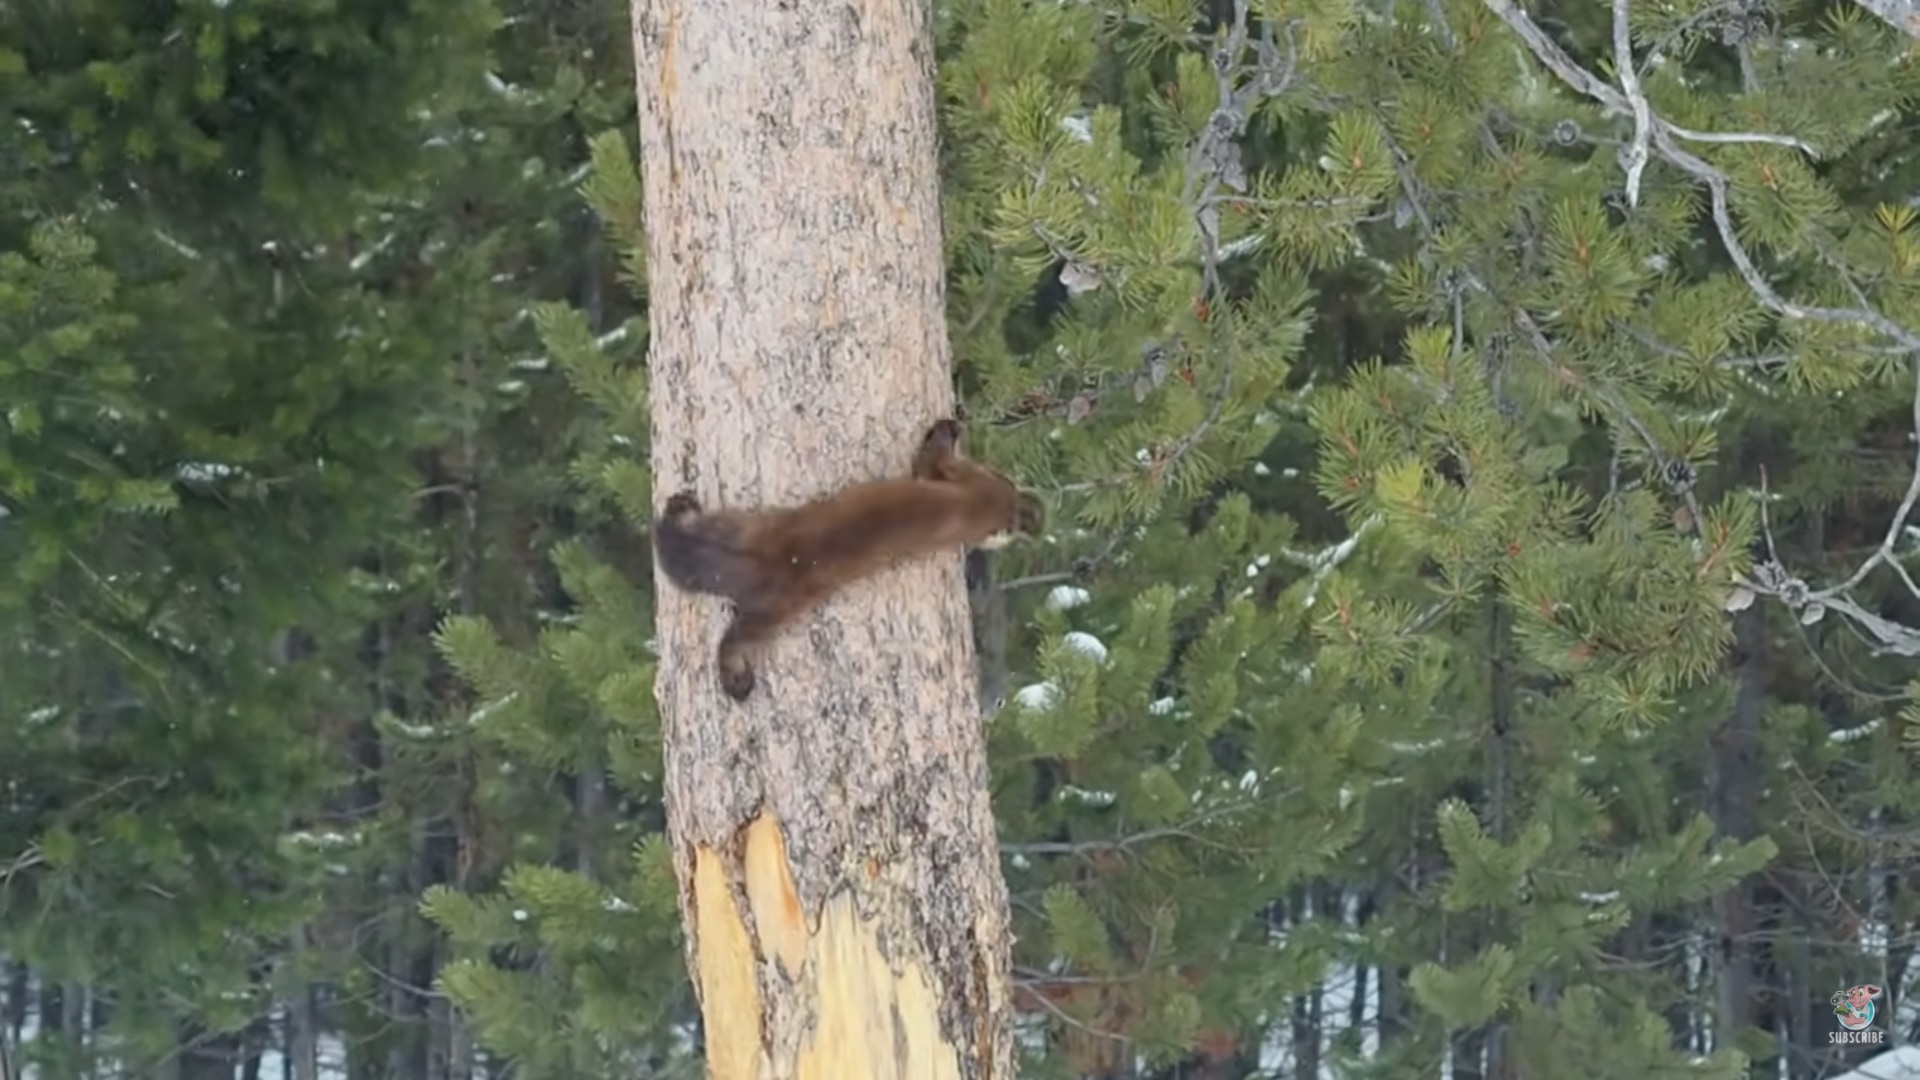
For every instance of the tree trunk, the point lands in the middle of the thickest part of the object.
(1733, 778)
(833, 839)
(303, 1022)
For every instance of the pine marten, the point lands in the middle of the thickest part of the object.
(776, 565)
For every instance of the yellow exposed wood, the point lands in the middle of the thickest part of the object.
(875, 1023)
(771, 896)
(730, 999)
(870, 1021)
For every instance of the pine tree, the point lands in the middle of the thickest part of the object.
(1381, 643)
(1584, 295)
(209, 418)
(527, 775)
(1187, 755)
(609, 989)
(1546, 569)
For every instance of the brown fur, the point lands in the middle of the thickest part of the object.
(776, 565)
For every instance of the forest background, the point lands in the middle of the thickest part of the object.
(1413, 385)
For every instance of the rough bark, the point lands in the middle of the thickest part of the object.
(835, 848)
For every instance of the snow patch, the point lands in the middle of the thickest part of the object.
(1067, 597)
(1086, 645)
(1900, 1063)
(1039, 697)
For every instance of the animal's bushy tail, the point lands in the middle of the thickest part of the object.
(703, 552)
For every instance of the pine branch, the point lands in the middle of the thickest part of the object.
(1213, 164)
(1067, 1018)
(29, 858)
(1321, 564)
(1635, 157)
(1717, 184)
(1215, 156)
(1902, 15)
(1770, 578)
(1743, 365)
(1629, 98)
(1091, 847)
(1673, 469)
(1186, 830)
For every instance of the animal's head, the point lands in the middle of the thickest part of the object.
(1015, 512)
(1025, 517)
(1858, 996)
(1029, 515)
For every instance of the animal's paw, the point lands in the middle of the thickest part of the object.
(940, 445)
(736, 679)
(943, 434)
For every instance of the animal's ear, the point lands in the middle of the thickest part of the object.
(1872, 990)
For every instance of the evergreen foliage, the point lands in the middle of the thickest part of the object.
(189, 437)
(579, 970)
(1475, 636)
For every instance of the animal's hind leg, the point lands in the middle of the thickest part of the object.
(742, 645)
(940, 445)
(681, 504)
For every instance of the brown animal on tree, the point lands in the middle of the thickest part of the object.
(778, 564)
